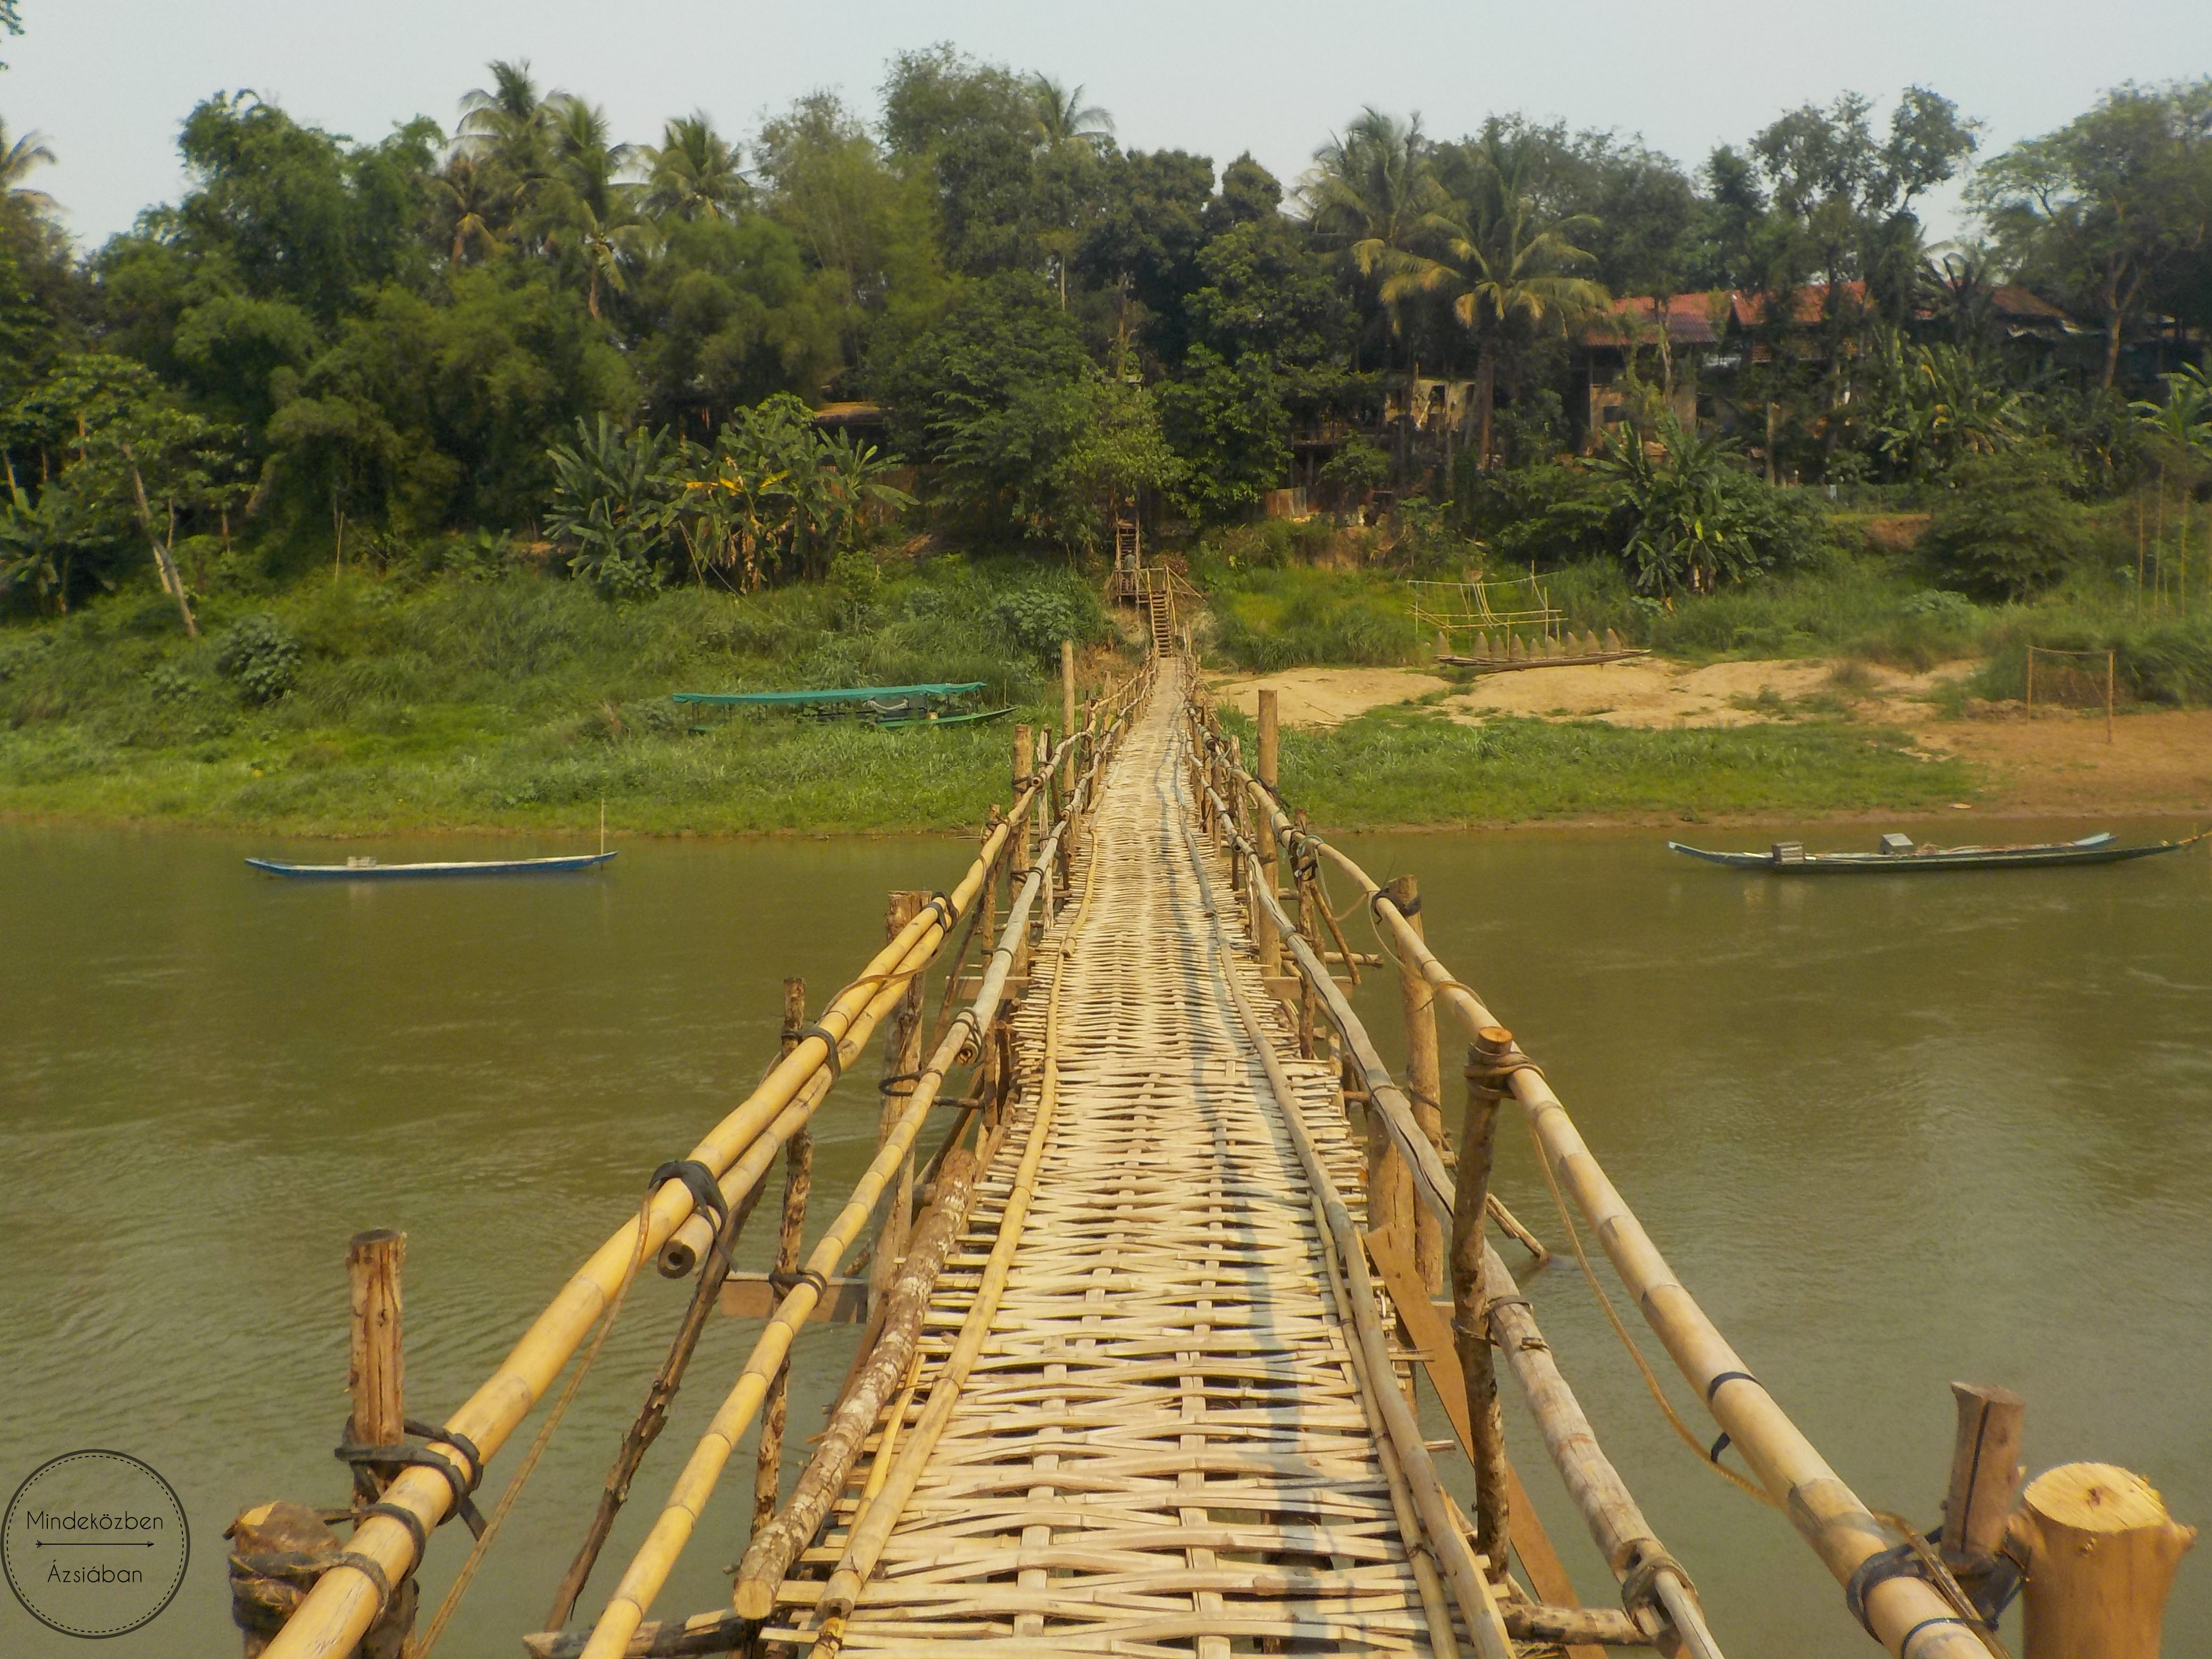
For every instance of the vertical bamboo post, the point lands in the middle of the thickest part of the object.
(1017, 856)
(2112, 661)
(1068, 709)
(1424, 1079)
(798, 1180)
(375, 1368)
(1309, 925)
(902, 1060)
(1470, 1298)
(1269, 758)
(1239, 874)
(2101, 1554)
(1985, 1473)
(2031, 677)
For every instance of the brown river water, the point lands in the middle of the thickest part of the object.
(1892, 1131)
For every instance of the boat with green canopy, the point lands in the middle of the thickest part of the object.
(885, 705)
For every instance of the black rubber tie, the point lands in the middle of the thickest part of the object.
(1714, 1387)
(369, 1567)
(1719, 1446)
(1898, 1562)
(836, 1060)
(786, 1283)
(407, 1518)
(1904, 1647)
(706, 1190)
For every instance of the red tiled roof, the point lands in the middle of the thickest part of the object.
(2012, 300)
(1690, 318)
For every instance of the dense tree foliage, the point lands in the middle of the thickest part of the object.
(603, 356)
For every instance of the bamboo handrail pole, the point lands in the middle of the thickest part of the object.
(345, 1603)
(1839, 1527)
(1446, 1542)
(1430, 1182)
(650, 1567)
(870, 1528)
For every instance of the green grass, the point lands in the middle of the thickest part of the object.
(522, 702)
(1395, 768)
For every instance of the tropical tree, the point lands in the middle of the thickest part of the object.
(614, 503)
(2112, 207)
(587, 204)
(17, 162)
(1374, 194)
(1688, 517)
(1938, 404)
(1504, 263)
(1065, 118)
(506, 123)
(473, 196)
(693, 173)
(2182, 424)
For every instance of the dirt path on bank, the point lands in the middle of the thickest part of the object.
(2056, 761)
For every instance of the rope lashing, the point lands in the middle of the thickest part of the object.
(836, 1060)
(1639, 1586)
(1493, 1059)
(784, 1284)
(407, 1518)
(361, 1455)
(705, 1188)
(369, 1567)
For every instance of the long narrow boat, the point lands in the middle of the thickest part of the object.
(810, 699)
(370, 870)
(1898, 854)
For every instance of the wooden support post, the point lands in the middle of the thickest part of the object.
(1470, 1299)
(1309, 925)
(798, 1182)
(1067, 711)
(1019, 856)
(1985, 1473)
(1389, 1182)
(902, 1060)
(1424, 1078)
(1238, 874)
(375, 1369)
(2101, 1554)
(1268, 760)
(377, 1381)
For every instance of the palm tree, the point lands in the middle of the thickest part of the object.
(1065, 118)
(1502, 265)
(16, 161)
(586, 202)
(693, 173)
(1374, 193)
(504, 126)
(471, 193)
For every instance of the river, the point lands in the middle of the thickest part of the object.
(1892, 1131)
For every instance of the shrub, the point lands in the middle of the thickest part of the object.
(260, 657)
(2009, 525)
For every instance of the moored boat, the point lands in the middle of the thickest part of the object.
(1898, 853)
(362, 869)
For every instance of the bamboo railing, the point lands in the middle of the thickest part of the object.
(349, 1595)
(656, 1557)
(1899, 1610)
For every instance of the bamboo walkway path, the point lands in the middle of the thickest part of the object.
(1164, 1447)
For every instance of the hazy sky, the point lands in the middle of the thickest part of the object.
(109, 80)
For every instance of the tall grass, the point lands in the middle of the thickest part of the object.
(522, 701)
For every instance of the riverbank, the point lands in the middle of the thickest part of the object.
(367, 707)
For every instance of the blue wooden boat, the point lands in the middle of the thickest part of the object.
(1898, 854)
(362, 869)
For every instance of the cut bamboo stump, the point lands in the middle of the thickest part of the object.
(376, 1375)
(2101, 1554)
(1985, 1473)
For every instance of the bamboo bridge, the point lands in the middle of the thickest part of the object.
(1143, 1331)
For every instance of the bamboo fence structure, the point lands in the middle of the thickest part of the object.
(1842, 1531)
(348, 1598)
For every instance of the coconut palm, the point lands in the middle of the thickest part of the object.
(478, 200)
(504, 127)
(585, 203)
(1503, 263)
(1374, 194)
(693, 173)
(1065, 118)
(16, 161)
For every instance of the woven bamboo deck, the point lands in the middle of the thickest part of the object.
(1164, 1447)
